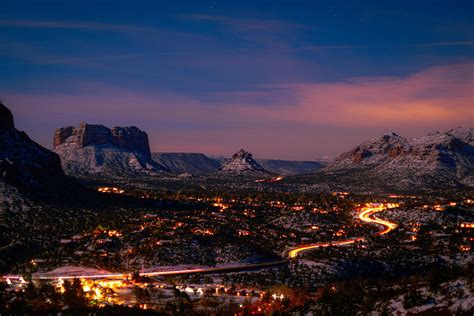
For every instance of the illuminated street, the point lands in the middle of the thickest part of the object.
(366, 215)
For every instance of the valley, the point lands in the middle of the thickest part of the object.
(185, 233)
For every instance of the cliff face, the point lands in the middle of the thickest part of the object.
(98, 150)
(131, 138)
(6, 117)
(128, 138)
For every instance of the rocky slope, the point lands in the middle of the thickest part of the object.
(24, 163)
(31, 177)
(95, 150)
(242, 161)
(435, 160)
(193, 163)
(289, 167)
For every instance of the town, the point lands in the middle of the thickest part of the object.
(238, 158)
(259, 252)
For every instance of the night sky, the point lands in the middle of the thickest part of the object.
(282, 79)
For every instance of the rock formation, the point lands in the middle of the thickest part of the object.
(440, 157)
(100, 151)
(242, 161)
(129, 138)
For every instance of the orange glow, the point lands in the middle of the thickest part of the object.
(207, 231)
(464, 248)
(111, 190)
(114, 233)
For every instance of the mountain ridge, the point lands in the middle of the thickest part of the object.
(200, 163)
(438, 156)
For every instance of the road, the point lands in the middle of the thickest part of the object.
(365, 215)
(247, 267)
(279, 178)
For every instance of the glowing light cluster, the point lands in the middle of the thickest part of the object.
(111, 190)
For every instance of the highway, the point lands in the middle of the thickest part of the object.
(366, 215)
(247, 267)
(279, 178)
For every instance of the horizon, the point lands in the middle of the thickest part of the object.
(269, 157)
(284, 80)
(326, 158)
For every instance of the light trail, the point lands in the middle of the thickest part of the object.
(279, 178)
(66, 277)
(366, 216)
(124, 276)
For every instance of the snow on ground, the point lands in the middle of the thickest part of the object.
(192, 267)
(73, 271)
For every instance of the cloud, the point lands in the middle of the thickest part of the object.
(96, 26)
(262, 32)
(147, 33)
(303, 48)
(439, 95)
(292, 120)
(247, 24)
(458, 43)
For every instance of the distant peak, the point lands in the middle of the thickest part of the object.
(242, 153)
(391, 134)
(242, 161)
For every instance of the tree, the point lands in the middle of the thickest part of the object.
(30, 290)
(136, 276)
(142, 295)
(3, 286)
(74, 296)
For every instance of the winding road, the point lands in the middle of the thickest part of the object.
(366, 215)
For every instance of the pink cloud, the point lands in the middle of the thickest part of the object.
(436, 96)
(288, 121)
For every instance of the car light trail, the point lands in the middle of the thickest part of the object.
(366, 216)
(124, 276)
(279, 178)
